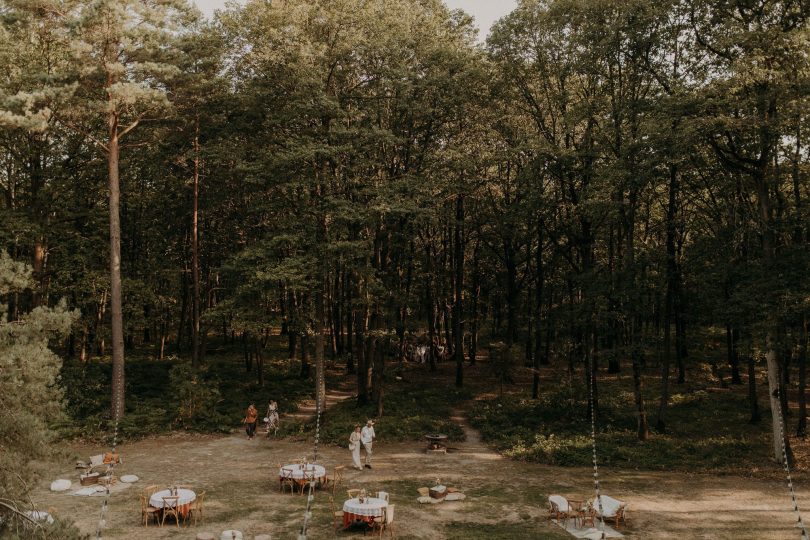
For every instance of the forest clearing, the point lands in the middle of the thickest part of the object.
(315, 268)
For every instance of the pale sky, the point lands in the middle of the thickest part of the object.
(485, 12)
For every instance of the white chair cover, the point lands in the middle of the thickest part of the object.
(610, 506)
(560, 501)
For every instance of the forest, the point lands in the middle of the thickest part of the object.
(601, 188)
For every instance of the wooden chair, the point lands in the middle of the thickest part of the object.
(150, 490)
(147, 510)
(352, 493)
(385, 522)
(309, 478)
(286, 480)
(337, 477)
(576, 510)
(337, 515)
(171, 507)
(197, 508)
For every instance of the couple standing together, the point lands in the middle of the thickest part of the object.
(365, 437)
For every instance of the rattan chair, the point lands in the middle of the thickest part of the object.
(610, 509)
(352, 493)
(559, 509)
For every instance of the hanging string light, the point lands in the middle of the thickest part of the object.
(319, 401)
(591, 377)
(105, 505)
(786, 463)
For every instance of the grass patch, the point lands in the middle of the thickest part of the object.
(502, 531)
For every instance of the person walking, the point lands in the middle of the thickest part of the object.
(251, 418)
(271, 418)
(354, 446)
(367, 437)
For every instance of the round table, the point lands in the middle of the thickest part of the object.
(184, 499)
(354, 510)
(301, 474)
(297, 472)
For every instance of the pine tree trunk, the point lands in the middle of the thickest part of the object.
(116, 308)
(672, 276)
(801, 429)
(458, 327)
(195, 254)
(304, 374)
(476, 295)
(538, 312)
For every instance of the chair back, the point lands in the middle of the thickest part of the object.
(151, 490)
(170, 503)
(199, 501)
(389, 514)
(383, 495)
(144, 502)
(352, 493)
(558, 503)
(610, 506)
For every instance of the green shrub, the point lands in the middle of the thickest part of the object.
(196, 399)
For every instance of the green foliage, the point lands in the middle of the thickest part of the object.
(712, 433)
(60, 529)
(197, 397)
(28, 394)
(169, 394)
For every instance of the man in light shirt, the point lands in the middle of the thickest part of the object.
(367, 437)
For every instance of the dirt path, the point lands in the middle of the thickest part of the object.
(505, 499)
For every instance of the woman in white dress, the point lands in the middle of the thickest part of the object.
(354, 446)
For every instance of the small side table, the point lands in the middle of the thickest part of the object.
(436, 443)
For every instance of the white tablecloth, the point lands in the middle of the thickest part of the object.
(185, 496)
(372, 507)
(298, 474)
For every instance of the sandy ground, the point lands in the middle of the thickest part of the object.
(240, 478)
